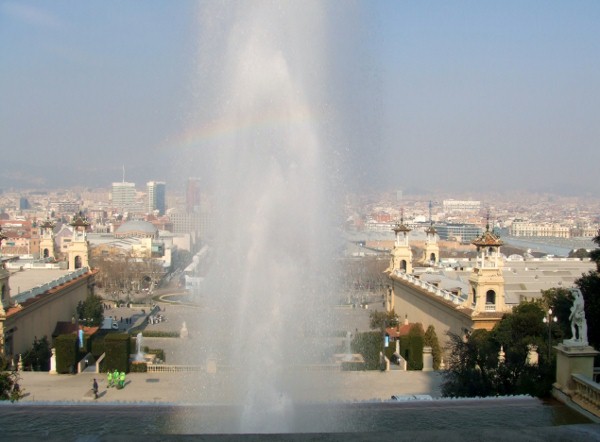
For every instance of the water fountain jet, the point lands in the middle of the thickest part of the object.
(268, 289)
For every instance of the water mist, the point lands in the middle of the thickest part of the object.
(267, 297)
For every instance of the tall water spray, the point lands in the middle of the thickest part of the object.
(268, 293)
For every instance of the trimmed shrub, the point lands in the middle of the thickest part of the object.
(118, 348)
(138, 367)
(368, 344)
(159, 352)
(352, 366)
(430, 339)
(66, 353)
(411, 349)
(97, 345)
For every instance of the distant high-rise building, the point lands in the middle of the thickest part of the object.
(463, 233)
(24, 203)
(156, 196)
(188, 222)
(123, 196)
(461, 206)
(192, 195)
(66, 207)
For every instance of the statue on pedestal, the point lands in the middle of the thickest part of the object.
(533, 357)
(184, 331)
(577, 318)
(501, 356)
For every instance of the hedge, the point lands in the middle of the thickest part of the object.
(158, 352)
(411, 349)
(66, 353)
(139, 367)
(352, 366)
(97, 342)
(118, 348)
(368, 344)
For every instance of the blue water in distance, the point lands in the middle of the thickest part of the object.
(70, 421)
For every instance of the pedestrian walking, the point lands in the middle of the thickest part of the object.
(95, 388)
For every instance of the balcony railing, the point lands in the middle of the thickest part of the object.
(163, 368)
(431, 288)
(586, 393)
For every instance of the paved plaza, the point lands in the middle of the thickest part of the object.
(191, 388)
(201, 387)
(226, 387)
(221, 387)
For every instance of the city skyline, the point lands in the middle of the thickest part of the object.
(462, 97)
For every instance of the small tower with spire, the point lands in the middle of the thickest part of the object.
(486, 279)
(78, 250)
(47, 249)
(401, 255)
(431, 254)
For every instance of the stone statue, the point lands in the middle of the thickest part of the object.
(501, 356)
(533, 357)
(184, 331)
(577, 318)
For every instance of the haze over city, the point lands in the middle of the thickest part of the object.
(459, 96)
(300, 217)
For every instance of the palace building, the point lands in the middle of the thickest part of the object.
(459, 296)
(38, 293)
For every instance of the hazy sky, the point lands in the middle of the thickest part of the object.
(431, 95)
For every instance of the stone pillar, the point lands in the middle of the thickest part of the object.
(53, 362)
(572, 359)
(384, 362)
(427, 359)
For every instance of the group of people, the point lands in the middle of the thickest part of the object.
(155, 319)
(116, 379)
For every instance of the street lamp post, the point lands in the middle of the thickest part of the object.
(549, 319)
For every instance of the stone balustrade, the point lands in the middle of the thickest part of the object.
(431, 288)
(586, 393)
(164, 368)
(24, 296)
